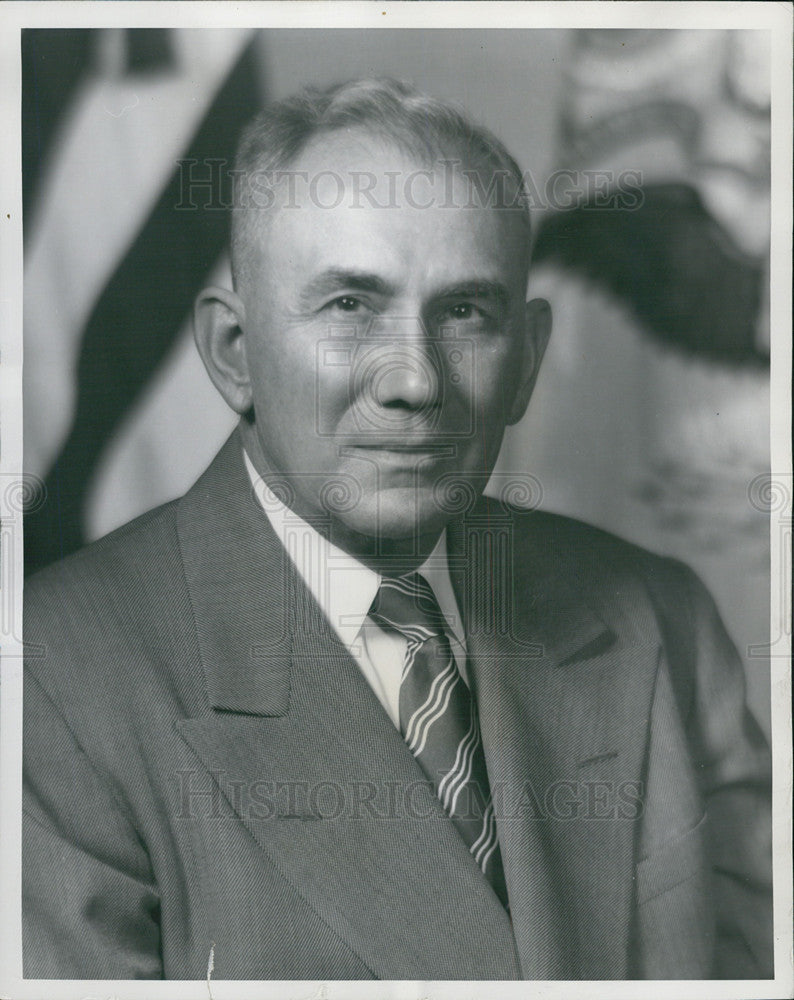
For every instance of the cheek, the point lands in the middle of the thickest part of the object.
(283, 367)
(496, 375)
(301, 386)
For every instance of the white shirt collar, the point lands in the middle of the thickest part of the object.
(342, 586)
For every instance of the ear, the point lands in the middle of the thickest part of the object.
(218, 325)
(537, 330)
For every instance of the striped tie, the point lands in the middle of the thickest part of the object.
(438, 717)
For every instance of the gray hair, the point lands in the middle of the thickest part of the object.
(422, 126)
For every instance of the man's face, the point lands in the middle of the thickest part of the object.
(385, 345)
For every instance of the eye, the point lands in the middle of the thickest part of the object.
(462, 312)
(347, 303)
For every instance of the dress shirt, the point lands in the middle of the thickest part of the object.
(345, 590)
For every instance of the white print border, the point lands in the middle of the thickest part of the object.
(516, 16)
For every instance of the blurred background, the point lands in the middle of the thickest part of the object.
(647, 154)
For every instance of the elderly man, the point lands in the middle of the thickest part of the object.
(334, 714)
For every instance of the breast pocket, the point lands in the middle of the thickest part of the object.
(675, 919)
(678, 860)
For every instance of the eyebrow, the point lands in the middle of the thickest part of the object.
(483, 290)
(336, 279)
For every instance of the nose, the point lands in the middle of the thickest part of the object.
(399, 370)
(406, 376)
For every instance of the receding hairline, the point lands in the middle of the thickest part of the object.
(431, 132)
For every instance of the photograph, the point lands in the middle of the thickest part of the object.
(396, 500)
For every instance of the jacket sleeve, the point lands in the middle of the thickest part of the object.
(89, 903)
(733, 767)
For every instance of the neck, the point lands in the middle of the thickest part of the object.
(387, 556)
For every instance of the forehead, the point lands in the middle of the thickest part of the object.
(357, 200)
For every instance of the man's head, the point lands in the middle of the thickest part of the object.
(377, 341)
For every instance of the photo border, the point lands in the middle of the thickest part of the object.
(17, 14)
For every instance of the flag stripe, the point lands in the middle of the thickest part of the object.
(138, 317)
(54, 61)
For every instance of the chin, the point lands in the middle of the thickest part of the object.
(396, 515)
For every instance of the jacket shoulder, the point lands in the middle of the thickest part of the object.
(585, 549)
(119, 599)
(128, 559)
(619, 577)
(596, 557)
(109, 626)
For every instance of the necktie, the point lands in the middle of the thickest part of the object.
(438, 717)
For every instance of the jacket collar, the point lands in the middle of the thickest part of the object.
(228, 548)
(511, 590)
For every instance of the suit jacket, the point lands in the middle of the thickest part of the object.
(210, 782)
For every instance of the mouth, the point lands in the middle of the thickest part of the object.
(424, 447)
(401, 452)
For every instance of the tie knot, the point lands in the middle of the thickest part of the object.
(407, 604)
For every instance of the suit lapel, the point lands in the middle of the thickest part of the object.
(564, 697)
(356, 830)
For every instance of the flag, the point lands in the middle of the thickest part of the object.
(128, 136)
(651, 414)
